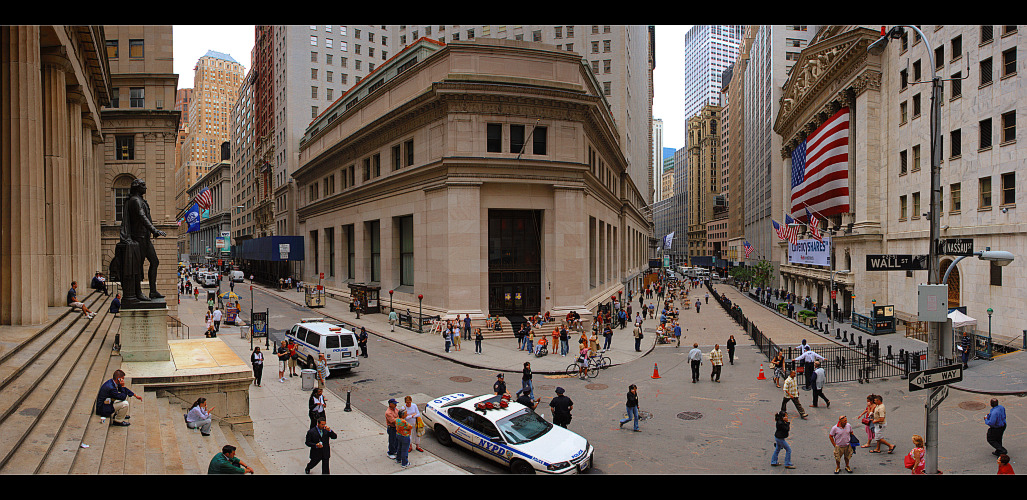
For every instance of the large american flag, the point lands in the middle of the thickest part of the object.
(748, 249)
(820, 169)
(205, 199)
(784, 232)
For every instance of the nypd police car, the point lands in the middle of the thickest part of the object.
(507, 432)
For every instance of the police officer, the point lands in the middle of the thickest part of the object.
(561, 407)
(500, 386)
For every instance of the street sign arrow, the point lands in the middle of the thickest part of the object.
(934, 377)
(937, 396)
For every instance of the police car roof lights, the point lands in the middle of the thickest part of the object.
(312, 320)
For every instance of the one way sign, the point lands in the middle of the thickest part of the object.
(935, 376)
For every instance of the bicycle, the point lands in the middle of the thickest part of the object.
(599, 360)
(591, 370)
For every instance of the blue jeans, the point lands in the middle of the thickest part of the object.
(527, 388)
(393, 441)
(564, 347)
(781, 444)
(403, 451)
(632, 415)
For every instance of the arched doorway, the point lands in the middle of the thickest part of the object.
(953, 282)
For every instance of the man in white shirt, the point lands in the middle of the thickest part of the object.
(808, 358)
(217, 320)
(695, 358)
(818, 385)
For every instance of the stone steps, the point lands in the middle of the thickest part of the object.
(45, 369)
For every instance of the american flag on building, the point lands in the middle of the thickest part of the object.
(205, 199)
(748, 249)
(814, 226)
(784, 232)
(820, 168)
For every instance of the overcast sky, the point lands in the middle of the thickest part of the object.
(192, 42)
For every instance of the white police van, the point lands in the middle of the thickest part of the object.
(314, 336)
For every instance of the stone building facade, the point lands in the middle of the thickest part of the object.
(889, 162)
(485, 176)
(55, 81)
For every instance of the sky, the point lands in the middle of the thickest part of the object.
(192, 42)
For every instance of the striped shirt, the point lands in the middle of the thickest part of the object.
(791, 388)
(716, 357)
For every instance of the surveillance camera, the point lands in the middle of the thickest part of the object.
(1005, 210)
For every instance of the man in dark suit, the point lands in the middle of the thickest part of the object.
(320, 450)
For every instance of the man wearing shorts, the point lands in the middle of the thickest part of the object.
(840, 436)
(283, 358)
(75, 304)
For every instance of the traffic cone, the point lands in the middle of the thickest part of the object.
(656, 371)
(761, 376)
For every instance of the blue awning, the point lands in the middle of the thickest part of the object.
(271, 248)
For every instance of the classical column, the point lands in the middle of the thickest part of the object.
(566, 252)
(57, 277)
(467, 232)
(23, 298)
(80, 199)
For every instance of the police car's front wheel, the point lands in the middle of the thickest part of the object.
(521, 467)
(442, 435)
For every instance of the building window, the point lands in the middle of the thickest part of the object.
(903, 112)
(313, 40)
(313, 112)
(1009, 188)
(916, 71)
(902, 162)
(957, 85)
(135, 48)
(902, 207)
(916, 206)
(987, 34)
(939, 57)
(136, 97)
(112, 49)
(916, 158)
(376, 164)
(397, 159)
(955, 146)
(367, 169)
(1009, 62)
(351, 254)
(984, 196)
(985, 72)
(115, 97)
(516, 138)
(406, 250)
(1008, 127)
(538, 141)
(373, 235)
(494, 138)
(330, 243)
(984, 133)
(124, 147)
(409, 149)
(313, 73)
(313, 92)
(120, 195)
(903, 79)
(996, 273)
(916, 106)
(955, 200)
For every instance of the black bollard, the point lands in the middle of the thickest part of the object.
(845, 337)
(852, 339)
(347, 408)
(838, 334)
(860, 344)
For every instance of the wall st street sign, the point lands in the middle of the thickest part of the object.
(935, 377)
(896, 262)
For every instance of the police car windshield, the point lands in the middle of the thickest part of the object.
(523, 426)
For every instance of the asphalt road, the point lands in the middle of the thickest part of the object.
(719, 428)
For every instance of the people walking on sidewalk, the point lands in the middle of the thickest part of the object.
(526, 386)
(791, 390)
(841, 438)
(322, 370)
(807, 358)
(638, 336)
(915, 459)
(318, 440)
(695, 359)
(631, 407)
(782, 426)
(478, 337)
(257, 360)
(316, 406)
(293, 356)
(867, 419)
(717, 362)
(456, 336)
(561, 407)
(403, 431)
(731, 343)
(819, 377)
(996, 421)
(879, 424)
(779, 367)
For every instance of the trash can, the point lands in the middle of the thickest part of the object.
(243, 331)
(308, 378)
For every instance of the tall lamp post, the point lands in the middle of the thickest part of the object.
(390, 300)
(420, 316)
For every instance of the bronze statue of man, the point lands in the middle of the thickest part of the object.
(135, 246)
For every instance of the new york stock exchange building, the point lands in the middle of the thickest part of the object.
(887, 99)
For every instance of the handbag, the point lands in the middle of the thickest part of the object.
(853, 441)
(420, 427)
(909, 461)
(867, 420)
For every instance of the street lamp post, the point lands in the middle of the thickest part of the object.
(390, 300)
(420, 316)
(990, 310)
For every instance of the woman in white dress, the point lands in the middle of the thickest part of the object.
(412, 413)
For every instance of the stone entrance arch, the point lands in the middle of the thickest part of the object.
(953, 282)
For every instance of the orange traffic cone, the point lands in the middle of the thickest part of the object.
(656, 371)
(761, 377)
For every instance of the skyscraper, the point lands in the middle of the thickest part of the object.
(708, 51)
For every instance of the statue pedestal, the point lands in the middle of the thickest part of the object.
(144, 333)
